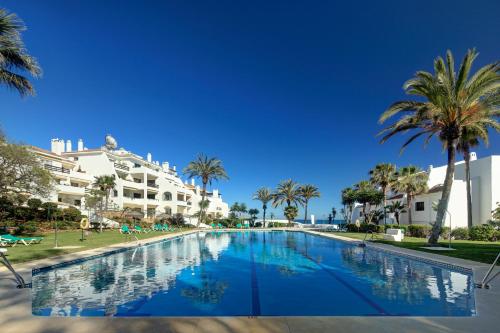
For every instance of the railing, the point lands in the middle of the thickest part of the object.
(486, 280)
(56, 169)
(122, 167)
(153, 185)
(19, 279)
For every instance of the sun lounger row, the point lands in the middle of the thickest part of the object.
(11, 240)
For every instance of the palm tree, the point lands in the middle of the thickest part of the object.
(307, 192)
(396, 208)
(14, 57)
(105, 184)
(451, 103)
(264, 195)
(412, 181)
(383, 175)
(208, 169)
(291, 213)
(253, 212)
(287, 193)
(348, 200)
(469, 138)
(242, 208)
(334, 213)
(235, 208)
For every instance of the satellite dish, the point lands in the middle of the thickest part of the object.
(110, 142)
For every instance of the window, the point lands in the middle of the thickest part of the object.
(168, 211)
(419, 206)
(167, 196)
(115, 193)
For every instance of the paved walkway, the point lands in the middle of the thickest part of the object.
(15, 309)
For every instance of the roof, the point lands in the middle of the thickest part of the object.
(397, 196)
(436, 189)
(51, 154)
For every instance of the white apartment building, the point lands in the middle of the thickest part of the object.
(141, 184)
(485, 193)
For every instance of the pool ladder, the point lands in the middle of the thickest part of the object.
(363, 243)
(487, 279)
(18, 277)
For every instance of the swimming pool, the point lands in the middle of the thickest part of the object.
(252, 273)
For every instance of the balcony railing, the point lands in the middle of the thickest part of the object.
(121, 167)
(56, 169)
(153, 185)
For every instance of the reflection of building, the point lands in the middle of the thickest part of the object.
(485, 193)
(217, 243)
(141, 184)
(115, 279)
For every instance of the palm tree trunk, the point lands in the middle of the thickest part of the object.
(445, 196)
(467, 179)
(408, 202)
(264, 216)
(204, 189)
(396, 215)
(305, 210)
(385, 203)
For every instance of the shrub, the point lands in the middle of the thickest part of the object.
(496, 236)
(483, 232)
(26, 228)
(365, 227)
(395, 226)
(72, 214)
(460, 233)
(420, 231)
(445, 232)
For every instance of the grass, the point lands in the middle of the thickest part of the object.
(22, 253)
(485, 252)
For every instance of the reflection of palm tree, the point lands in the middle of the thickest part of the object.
(103, 277)
(210, 292)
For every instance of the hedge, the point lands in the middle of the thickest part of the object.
(483, 232)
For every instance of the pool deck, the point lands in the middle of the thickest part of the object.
(15, 307)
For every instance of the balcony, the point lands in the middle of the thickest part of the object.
(153, 185)
(68, 189)
(56, 169)
(121, 167)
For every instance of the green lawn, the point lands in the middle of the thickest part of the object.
(22, 253)
(471, 250)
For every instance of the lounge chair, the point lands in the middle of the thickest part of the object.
(213, 225)
(140, 230)
(219, 226)
(395, 235)
(238, 226)
(22, 240)
(7, 242)
(125, 230)
(165, 227)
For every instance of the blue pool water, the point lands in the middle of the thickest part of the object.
(252, 273)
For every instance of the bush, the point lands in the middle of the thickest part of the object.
(460, 233)
(395, 226)
(483, 232)
(72, 214)
(420, 231)
(445, 232)
(496, 236)
(27, 228)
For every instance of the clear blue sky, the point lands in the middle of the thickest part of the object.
(276, 89)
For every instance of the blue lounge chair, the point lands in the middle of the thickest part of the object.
(125, 230)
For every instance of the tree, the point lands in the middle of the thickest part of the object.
(383, 175)
(348, 200)
(105, 184)
(367, 195)
(307, 192)
(253, 215)
(264, 195)
(235, 208)
(334, 213)
(14, 58)
(291, 213)
(396, 208)
(208, 170)
(22, 173)
(452, 102)
(412, 181)
(468, 139)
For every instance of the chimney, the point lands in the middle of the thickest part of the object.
(197, 189)
(192, 181)
(149, 157)
(54, 146)
(185, 182)
(80, 144)
(61, 146)
(174, 168)
(473, 156)
(69, 148)
(164, 165)
(215, 193)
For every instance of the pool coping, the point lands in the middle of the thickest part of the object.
(16, 305)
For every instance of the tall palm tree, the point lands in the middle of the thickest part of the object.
(383, 175)
(242, 209)
(469, 138)
(105, 184)
(307, 192)
(451, 102)
(253, 212)
(287, 193)
(348, 197)
(208, 170)
(412, 181)
(264, 195)
(14, 58)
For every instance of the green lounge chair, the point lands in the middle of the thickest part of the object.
(219, 226)
(213, 225)
(140, 230)
(22, 240)
(125, 230)
(6, 242)
(158, 227)
(238, 226)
